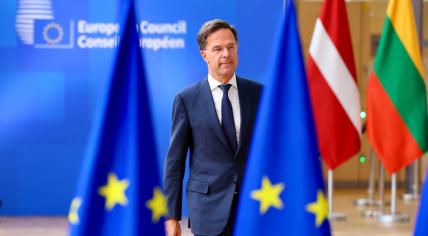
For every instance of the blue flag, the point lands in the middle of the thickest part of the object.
(283, 188)
(119, 191)
(421, 228)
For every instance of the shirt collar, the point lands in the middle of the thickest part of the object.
(215, 83)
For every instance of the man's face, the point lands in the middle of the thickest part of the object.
(221, 54)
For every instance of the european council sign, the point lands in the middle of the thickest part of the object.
(57, 57)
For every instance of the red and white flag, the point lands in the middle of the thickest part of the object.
(333, 85)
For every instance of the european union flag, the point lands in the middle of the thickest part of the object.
(421, 228)
(283, 187)
(119, 191)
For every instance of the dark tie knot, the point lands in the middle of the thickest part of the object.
(225, 87)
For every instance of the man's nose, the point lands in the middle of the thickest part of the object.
(225, 52)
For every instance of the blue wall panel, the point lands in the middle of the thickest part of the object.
(51, 83)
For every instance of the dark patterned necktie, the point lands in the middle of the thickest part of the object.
(227, 121)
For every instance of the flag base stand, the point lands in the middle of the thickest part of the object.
(411, 197)
(372, 213)
(393, 218)
(337, 216)
(367, 202)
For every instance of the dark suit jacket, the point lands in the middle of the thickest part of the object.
(215, 169)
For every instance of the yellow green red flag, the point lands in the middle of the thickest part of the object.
(397, 124)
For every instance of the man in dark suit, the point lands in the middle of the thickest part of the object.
(213, 119)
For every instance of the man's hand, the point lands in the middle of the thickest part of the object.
(172, 227)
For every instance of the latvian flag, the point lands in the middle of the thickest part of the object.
(333, 85)
(396, 95)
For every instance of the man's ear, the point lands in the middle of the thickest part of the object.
(204, 55)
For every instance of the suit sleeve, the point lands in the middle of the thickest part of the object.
(176, 158)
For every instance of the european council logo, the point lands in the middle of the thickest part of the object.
(28, 12)
(53, 34)
(35, 26)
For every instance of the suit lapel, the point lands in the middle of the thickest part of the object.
(208, 107)
(245, 106)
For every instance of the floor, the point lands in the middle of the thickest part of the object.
(354, 225)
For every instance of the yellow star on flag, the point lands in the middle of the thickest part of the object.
(73, 216)
(157, 205)
(114, 191)
(319, 208)
(268, 195)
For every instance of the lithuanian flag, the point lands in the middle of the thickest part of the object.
(397, 124)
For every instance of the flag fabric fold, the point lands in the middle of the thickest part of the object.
(333, 85)
(421, 227)
(283, 191)
(119, 189)
(397, 124)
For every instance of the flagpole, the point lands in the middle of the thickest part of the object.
(394, 216)
(377, 212)
(381, 187)
(370, 201)
(394, 194)
(330, 192)
(336, 216)
(414, 188)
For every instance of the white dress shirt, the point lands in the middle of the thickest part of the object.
(217, 94)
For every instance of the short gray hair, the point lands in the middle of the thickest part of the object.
(210, 27)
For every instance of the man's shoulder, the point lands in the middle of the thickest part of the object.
(249, 83)
(192, 89)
